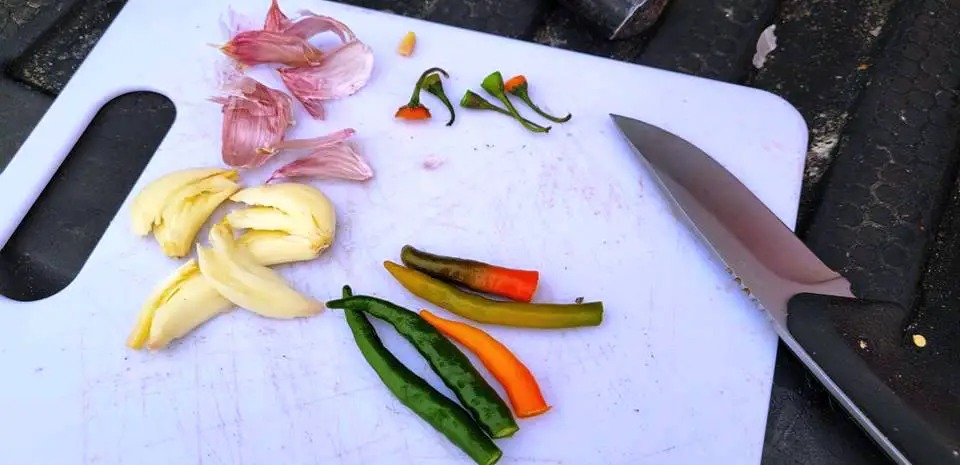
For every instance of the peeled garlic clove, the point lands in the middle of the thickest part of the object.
(185, 214)
(275, 247)
(147, 207)
(194, 303)
(310, 209)
(160, 294)
(177, 205)
(270, 219)
(236, 275)
(177, 306)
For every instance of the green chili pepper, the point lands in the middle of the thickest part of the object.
(484, 310)
(441, 413)
(517, 85)
(433, 85)
(473, 101)
(453, 367)
(493, 84)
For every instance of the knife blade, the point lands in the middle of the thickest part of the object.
(786, 279)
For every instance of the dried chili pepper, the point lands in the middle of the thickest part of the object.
(517, 85)
(522, 388)
(475, 102)
(483, 310)
(434, 86)
(414, 110)
(493, 84)
(478, 276)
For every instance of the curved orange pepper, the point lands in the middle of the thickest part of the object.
(513, 375)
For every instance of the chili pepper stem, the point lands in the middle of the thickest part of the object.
(435, 87)
(413, 110)
(526, 123)
(415, 98)
(493, 84)
(525, 97)
(518, 86)
(472, 100)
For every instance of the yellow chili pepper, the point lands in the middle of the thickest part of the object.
(484, 310)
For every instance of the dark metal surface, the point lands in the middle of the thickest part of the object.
(876, 187)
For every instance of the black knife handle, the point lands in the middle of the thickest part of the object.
(810, 324)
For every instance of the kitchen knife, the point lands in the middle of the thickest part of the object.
(797, 291)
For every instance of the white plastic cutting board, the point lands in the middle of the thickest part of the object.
(679, 372)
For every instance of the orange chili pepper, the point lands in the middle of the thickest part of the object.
(417, 112)
(513, 375)
(515, 83)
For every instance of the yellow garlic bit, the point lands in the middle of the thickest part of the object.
(407, 44)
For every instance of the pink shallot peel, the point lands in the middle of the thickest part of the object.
(260, 47)
(233, 23)
(311, 24)
(331, 157)
(255, 118)
(342, 72)
(276, 21)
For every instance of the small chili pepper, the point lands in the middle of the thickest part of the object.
(413, 110)
(517, 85)
(453, 367)
(483, 310)
(513, 375)
(493, 84)
(478, 276)
(473, 101)
(441, 413)
(434, 86)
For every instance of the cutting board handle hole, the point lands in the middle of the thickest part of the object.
(55, 238)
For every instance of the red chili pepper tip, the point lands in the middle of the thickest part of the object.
(514, 83)
(417, 112)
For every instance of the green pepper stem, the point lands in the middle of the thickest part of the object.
(525, 97)
(472, 100)
(526, 123)
(415, 98)
(493, 84)
(435, 87)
